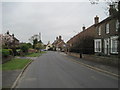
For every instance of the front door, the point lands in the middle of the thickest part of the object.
(106, 46)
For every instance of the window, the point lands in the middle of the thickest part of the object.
(114, 44)
(117, 25)
(107, 28)
(99, 30)
(97, 45)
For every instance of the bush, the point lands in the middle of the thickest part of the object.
(24, 48)
(5, 52)
(11, 52)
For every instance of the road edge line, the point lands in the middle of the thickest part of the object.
(18, 77)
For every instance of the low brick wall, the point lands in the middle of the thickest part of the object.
(6, 59)
(101, 59)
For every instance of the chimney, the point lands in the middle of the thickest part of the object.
(7, 32)
(112, 10)
(13, 35)
(60, 37)
(96, 19)
(83, 28)
(56, 38)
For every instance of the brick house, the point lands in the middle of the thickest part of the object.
(59, 44)
(84, 41)
(106, 41)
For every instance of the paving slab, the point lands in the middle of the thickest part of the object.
(8, 77)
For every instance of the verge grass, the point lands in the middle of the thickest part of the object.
(15, 64)
(35, 54)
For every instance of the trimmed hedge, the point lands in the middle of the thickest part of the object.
(7, 52)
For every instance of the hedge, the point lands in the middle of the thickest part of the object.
(7, 52)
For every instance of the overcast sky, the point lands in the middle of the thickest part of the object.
(52, 19)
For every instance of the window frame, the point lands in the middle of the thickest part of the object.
(96, 45)
(117, 25)
(114, 38)
(107, 28)
(99, 30)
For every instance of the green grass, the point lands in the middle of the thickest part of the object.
(35, 54)
(15, 64)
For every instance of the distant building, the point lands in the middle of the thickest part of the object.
(49, 46)
(59, 44)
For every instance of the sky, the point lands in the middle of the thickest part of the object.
(51, 19)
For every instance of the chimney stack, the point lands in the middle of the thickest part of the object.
(56, 38)
(83, 28)
(13, 35)
(60, 37)
(96, 19)
(112, 10)
(7, 32)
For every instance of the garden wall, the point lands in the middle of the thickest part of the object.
(101, 59)
(6, 59)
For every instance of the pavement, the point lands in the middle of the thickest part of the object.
(98, 65)
(57, 70)
(8, 77)
(49, 71)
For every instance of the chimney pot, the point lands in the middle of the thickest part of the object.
(96, 19)
(83, 28)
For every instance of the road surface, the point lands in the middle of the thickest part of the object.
(55, 70)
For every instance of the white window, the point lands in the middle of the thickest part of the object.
(107, 28)
(114, 44)
(99, 30)
(97, 43)
(117, 25)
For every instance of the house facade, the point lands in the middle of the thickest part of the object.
(59, 44)
(106, 41)
(9, 41)
(83, 42)
(49, 46)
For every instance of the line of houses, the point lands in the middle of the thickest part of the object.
(101, 38)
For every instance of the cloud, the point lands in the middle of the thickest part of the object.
(25, 19)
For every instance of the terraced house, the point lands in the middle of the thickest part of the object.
(106, 41)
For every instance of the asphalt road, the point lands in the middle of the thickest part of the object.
(55, 70)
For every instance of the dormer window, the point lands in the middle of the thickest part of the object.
(99, 30)
(117, 25)
(107, 28)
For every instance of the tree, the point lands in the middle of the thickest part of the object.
(35, 41)
(24, 48)
(29, 45)
(39, 46)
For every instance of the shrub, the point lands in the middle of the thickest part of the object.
(24, 48)
(10, 51)
(5, 52)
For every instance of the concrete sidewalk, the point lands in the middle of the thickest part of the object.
(107, 68)
(9, 77)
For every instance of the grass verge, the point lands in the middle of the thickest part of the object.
(34, 54)
(15, 64)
